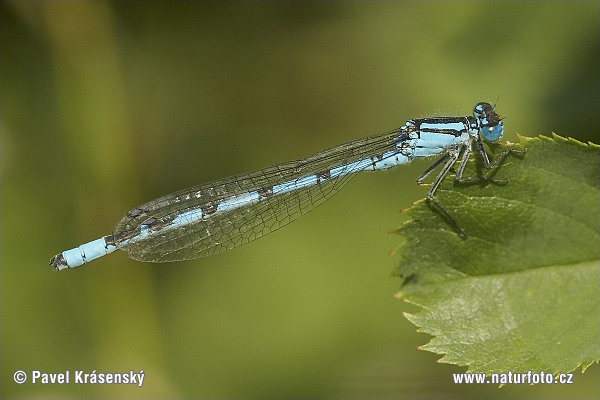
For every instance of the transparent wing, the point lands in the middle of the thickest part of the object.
(222, 231)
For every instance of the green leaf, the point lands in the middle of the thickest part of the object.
(522, 291)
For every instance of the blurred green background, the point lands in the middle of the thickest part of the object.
(106, 105)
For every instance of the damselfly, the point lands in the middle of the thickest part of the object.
(224, 214)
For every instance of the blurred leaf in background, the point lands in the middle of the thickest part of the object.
(106, 105)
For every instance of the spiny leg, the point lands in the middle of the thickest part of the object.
(486, 160)
(452, 158)
(430, 169)
(487, 164)
(463, 163)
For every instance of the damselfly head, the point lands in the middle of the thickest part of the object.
(491, 127)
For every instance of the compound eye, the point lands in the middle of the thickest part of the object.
(492, 133)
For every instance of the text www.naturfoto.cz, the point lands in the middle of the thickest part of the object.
(528, 378)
